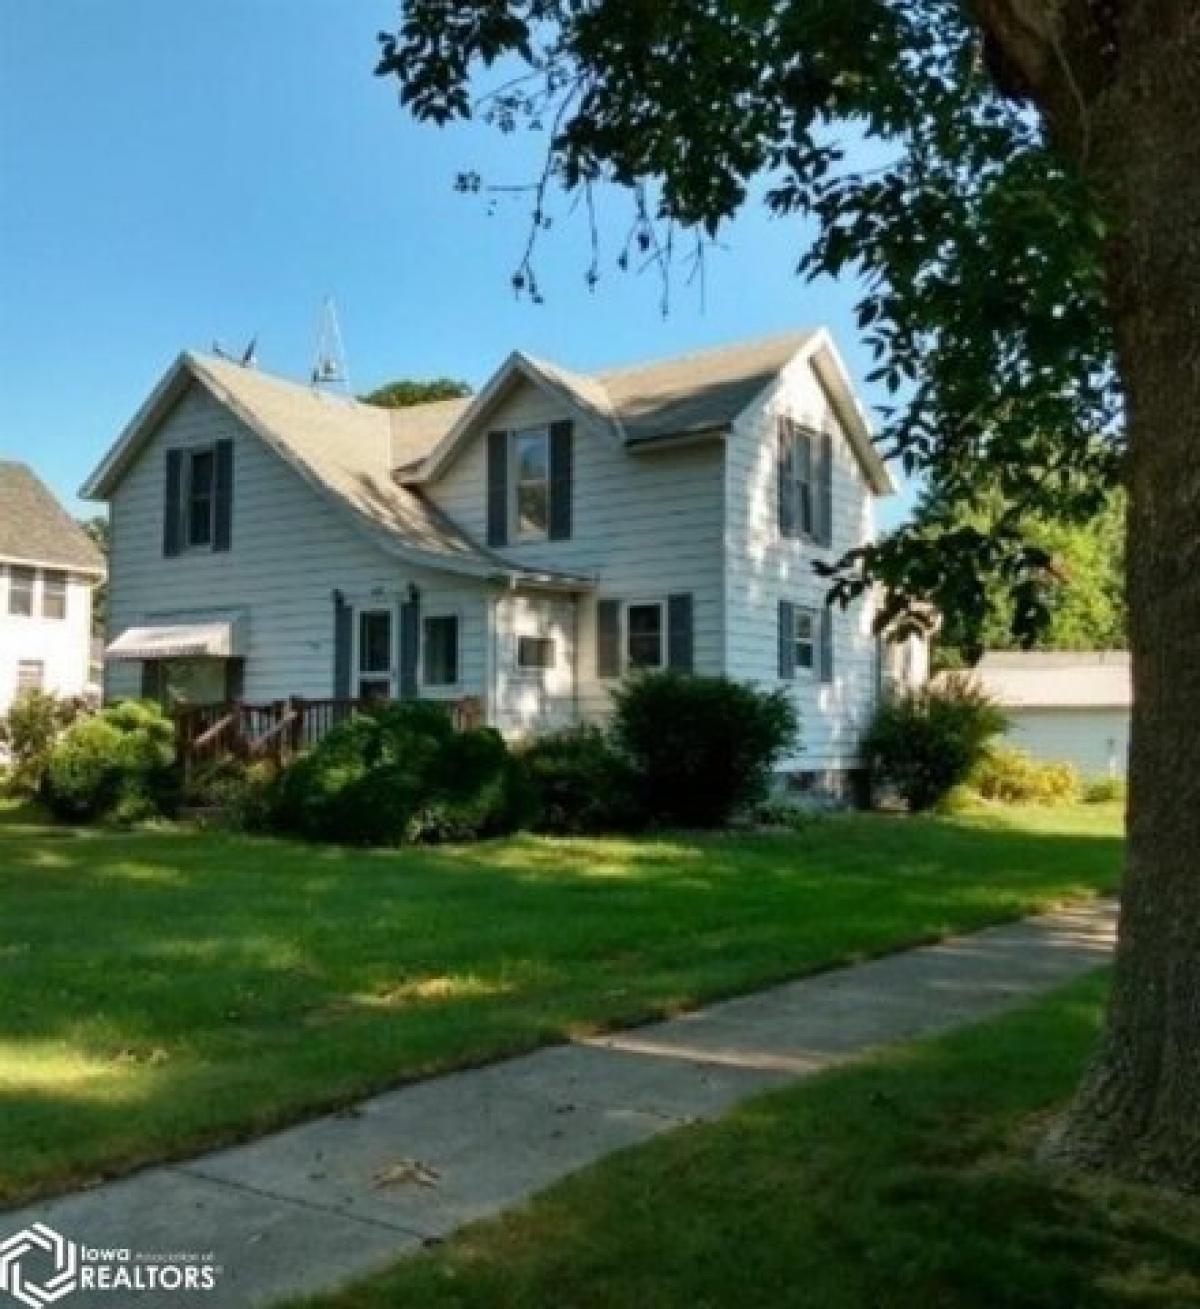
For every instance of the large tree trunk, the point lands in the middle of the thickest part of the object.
(1138, 1110)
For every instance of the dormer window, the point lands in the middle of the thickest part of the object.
(530, 510)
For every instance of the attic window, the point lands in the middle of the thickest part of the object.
(530, 511)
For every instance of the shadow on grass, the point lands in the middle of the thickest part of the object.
(165, 989)
(903, 1182)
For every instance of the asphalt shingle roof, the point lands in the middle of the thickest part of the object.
(35, 528)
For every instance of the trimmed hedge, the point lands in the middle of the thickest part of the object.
(118, 766)
(702, 748)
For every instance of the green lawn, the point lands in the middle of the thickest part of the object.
(906, 1182)
(164, 990)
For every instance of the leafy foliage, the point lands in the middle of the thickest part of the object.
(926, 741)
(702, 748)
(977, 247)
(1083, 590)
(408, 391)
(398, 775)
(118, 766)
(35, 721)
(1014, 777)
(579, 783)
(100, 532)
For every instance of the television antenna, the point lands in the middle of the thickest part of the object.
(330, 370)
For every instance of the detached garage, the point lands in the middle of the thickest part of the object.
(1068, 705)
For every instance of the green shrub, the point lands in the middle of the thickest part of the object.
(702, 748)
(35, 721)
(578, 784)
(1014, 777)
(397, 775)
(118, 766)
(925, 741)
(1104, 790)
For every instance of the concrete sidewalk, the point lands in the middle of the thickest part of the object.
(309, 1208)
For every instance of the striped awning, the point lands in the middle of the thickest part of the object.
(218, 639)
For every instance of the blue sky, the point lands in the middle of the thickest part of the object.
(175, 173)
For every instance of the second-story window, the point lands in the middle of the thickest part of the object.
(20, 591)
(796, 472)
(54, 594)
(531, 484)
(199, 498)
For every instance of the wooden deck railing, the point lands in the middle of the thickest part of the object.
(280, 729)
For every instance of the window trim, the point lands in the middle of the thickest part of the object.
(802, 490)
(514, 484)
(812, 641)
(357, 673)
(660, 604)
(46, 576)
(535, 670)
(188, 455)
(422, 666)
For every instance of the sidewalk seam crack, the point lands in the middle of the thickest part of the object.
(297, 1202)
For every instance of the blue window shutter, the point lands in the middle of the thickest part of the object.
(562, 476)
(826, 644)
(343, 644)
(825, 490)
(172, 509)
(608, 638)
(223, 491)
(787, 639)
(785, 454)
(680, 656)
(410, 644)
(497, 488)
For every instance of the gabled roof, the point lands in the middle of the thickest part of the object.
(343, 448)
(36, 529)
(664, 400)
(1058, 679)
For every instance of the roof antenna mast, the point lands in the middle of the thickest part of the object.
(330, 370)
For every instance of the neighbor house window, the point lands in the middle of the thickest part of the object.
(531, 484)
(54, 595)
(375, 654)
(644, 630)
(31, 674)
(199, 497)
(20, 591)
(804, 636)
(440, 652)
(797, 473)
(535, 652)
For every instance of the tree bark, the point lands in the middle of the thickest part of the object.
(1137, 1112)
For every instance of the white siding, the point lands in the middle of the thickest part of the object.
(1096, 741)
(529, 701)
(290, 550)
(60, 645)
(643, 525)
(764, 568)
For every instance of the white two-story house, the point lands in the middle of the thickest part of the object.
(48, 567)
(528, 546)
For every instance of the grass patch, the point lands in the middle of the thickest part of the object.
(169, 989)
(905, 1181)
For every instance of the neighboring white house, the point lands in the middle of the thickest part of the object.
(1067, 705)
(48, 566)
(527, 546)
